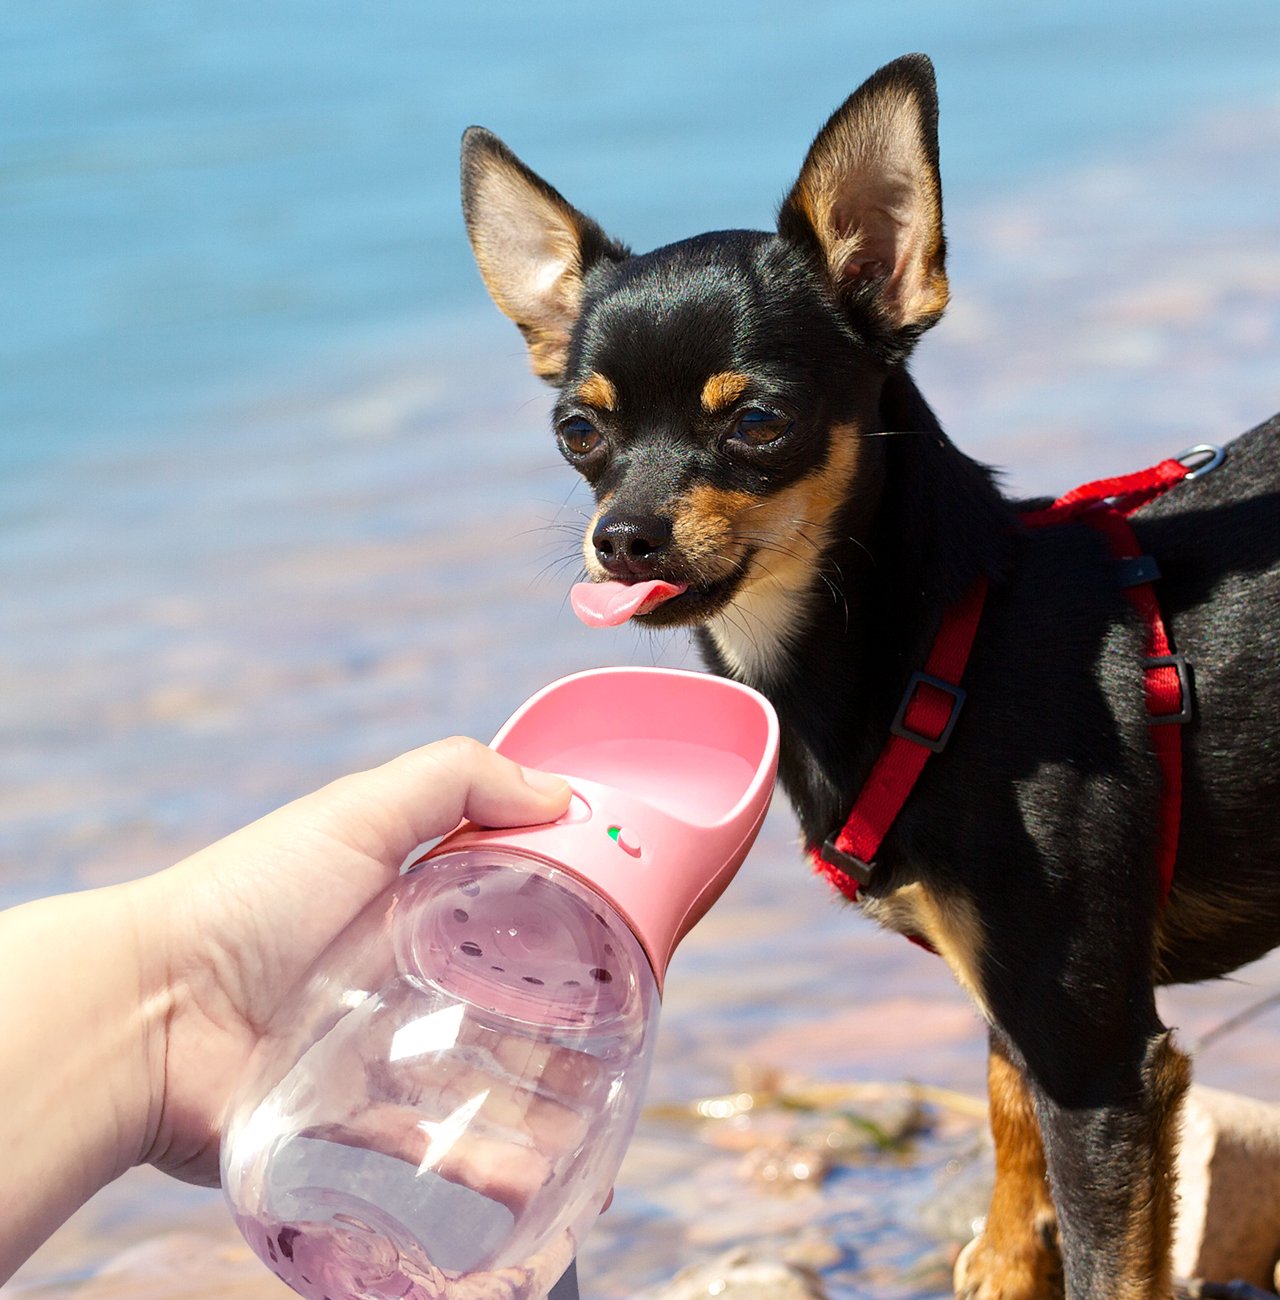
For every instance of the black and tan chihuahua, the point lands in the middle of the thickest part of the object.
(723, 397)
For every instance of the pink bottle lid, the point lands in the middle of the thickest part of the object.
(672, 773)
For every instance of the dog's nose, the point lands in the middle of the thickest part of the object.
(631, 546)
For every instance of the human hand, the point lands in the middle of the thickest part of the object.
(130, 1012)
(234, 927)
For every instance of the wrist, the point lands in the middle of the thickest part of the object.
(75, 1072)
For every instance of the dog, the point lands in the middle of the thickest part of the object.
(766, 473)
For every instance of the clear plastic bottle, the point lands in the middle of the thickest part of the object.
(442, 1108)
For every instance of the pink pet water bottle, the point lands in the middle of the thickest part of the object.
(441, 1106)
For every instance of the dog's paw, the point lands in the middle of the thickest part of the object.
(1031, 1272)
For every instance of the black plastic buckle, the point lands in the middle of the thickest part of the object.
(1135, 570)
(849, 863)
(898, 726)
(1178, 662)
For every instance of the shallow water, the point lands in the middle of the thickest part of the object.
(251, 575)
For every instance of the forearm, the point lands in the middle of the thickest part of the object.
(74, 1074)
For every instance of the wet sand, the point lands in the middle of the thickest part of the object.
(316, 583)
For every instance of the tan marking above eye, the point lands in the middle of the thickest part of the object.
(723, 389)
(597, 390)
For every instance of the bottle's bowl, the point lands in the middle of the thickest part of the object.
(449, 1095)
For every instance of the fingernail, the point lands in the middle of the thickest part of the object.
(545, 782)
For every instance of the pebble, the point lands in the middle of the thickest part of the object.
(741, 1275)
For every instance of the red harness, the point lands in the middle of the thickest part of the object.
(933, 698)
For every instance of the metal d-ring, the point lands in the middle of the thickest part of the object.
(1212, 455)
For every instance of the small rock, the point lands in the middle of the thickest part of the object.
(739, 1275)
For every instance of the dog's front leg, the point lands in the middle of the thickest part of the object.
(1109, 1147)
(1016, 1256)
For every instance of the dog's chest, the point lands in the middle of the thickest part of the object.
(755, 634)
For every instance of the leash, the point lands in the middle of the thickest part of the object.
(934, 697)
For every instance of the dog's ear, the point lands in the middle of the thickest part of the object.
(533, 248)
(869, 197)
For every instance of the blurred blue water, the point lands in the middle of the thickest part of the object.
(202, 202)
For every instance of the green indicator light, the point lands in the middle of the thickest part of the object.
(614, 832)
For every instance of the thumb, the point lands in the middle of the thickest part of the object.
(390, 810)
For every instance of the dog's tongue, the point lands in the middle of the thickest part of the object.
(610, 604)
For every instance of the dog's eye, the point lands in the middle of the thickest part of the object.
(759, 427)
(580, 437)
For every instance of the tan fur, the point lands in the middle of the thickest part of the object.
(950, 923)
(722, 390)
(705, 528)
(1016, 1256)
(527, 248)
(598, 390)
(1147, 1265)
(789, 530)
(1194, 917)
(547, 352)
(868, 192)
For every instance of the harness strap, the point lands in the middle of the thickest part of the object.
(1124, 494)
(1106, 506)
(923, 726)
(934, 697)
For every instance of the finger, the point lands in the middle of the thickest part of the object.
(390, 810)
